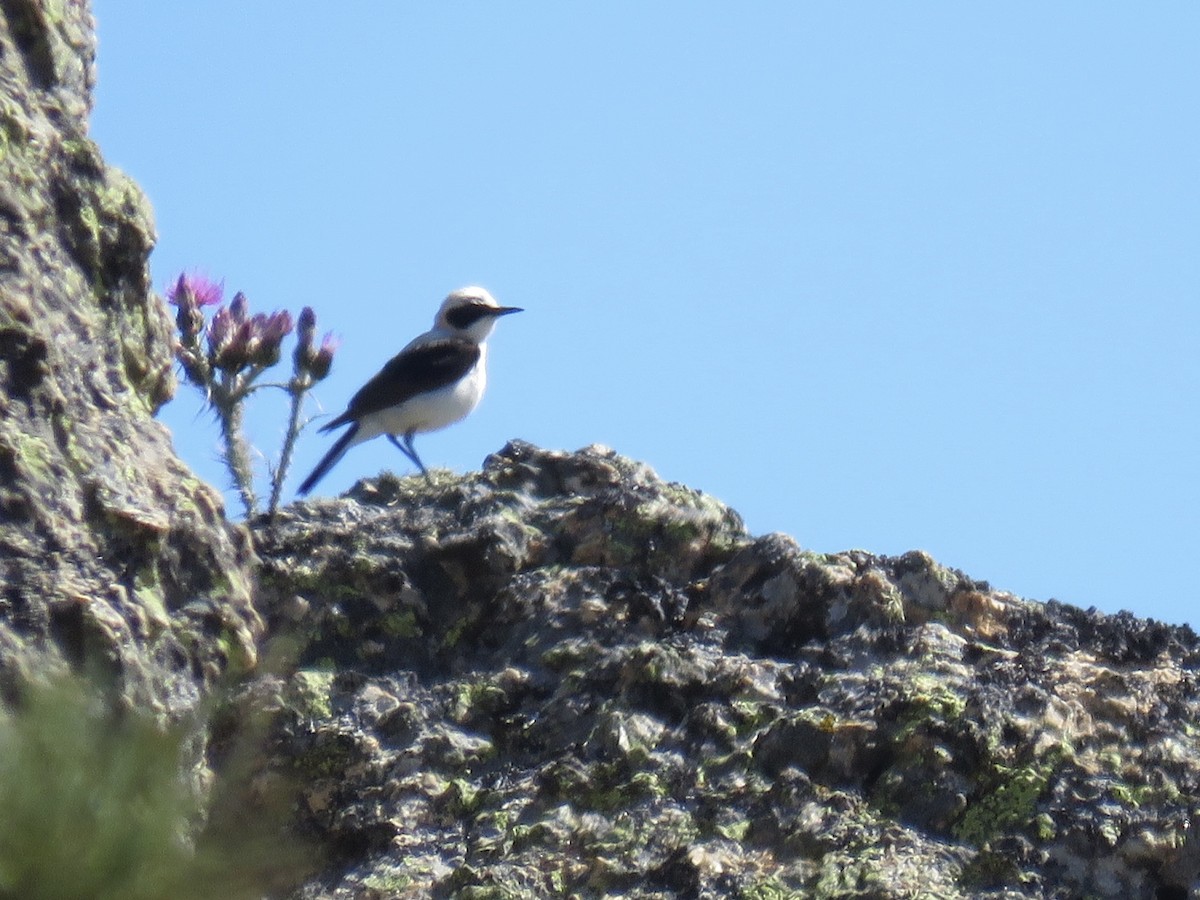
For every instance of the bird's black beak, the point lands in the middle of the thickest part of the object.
(505, 310)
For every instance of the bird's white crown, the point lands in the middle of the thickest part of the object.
(467, 296)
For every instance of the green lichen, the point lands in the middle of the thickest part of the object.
(121, 194)
(387, 883)
(988, 869)
(621, 839)
(843, 875)
(90, 219)
(1044, 827)
(238, 653)
(326, 758)
(606, 786)
(566, 655)
(1009, 803)
(55, 12)
(230, 582)
(66, 432)
(455, 632)
(488, 892)
(148, 592)
(401, 623)
(740, 761)
(476, 698)
(771, 889)
(14, 131)
(461, 798)
(734, 831)
(34, 455)
(312, 581)
(930, 700)
(312, 691)
(492, 832)
(753, 715)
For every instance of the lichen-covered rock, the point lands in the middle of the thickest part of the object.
(564, 677)
(113, 557)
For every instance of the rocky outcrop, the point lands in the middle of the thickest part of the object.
(113, 556)
(564, 677)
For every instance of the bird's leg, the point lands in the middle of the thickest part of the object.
(412, 452)
(408, 450)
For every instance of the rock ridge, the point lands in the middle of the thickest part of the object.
(561, 676)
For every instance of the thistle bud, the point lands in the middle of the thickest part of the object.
(244, 345)
(239, 308)
(306, 330)
(322, 360)
(190, 322)
(220, 331)
(306, 326)
(270, 332)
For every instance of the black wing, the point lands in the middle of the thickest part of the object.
(411, 372)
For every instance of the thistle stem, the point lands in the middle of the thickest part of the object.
(228, 404)
(296, 388)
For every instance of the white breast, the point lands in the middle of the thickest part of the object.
(431, 411)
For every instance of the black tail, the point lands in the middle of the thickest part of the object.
(329, 460)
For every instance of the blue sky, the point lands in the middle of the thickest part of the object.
(878, 276)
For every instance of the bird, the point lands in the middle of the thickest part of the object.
(435, 381)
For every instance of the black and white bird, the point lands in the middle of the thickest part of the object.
(433, 382)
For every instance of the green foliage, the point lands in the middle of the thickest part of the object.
(96, 805)
(93, 805)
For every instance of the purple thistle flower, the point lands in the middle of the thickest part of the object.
(208, 293)
(190, 294)
(195, 289)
